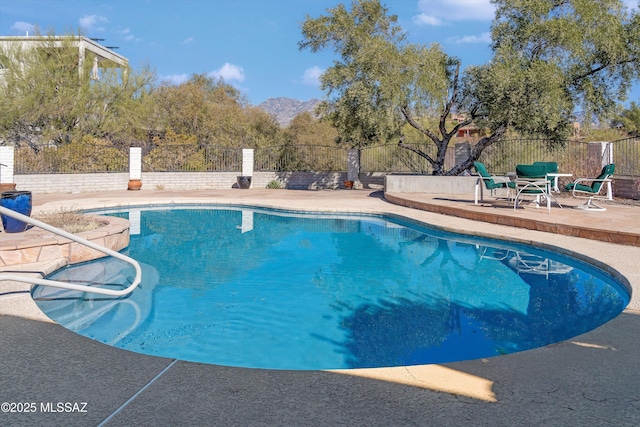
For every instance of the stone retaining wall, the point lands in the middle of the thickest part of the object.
(37, 245)
(628, 188)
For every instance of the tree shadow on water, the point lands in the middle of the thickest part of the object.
(409, 332)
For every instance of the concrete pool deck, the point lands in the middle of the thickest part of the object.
(591, 379)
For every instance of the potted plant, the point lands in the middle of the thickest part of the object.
(18, 201)
(244, 181)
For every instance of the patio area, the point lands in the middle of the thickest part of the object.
(591, 379)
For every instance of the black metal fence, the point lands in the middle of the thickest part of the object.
(69, 158)
(499, 158)
(301, 158)
(192, 158)
(392, 158)
(502, 157)
(626, 156)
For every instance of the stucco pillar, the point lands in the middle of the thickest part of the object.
(462, 152)
(135, 168)
(247, 162)
(599, 155)
(6, 168)
(353, 167)
(245, 180)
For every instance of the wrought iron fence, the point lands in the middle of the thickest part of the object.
(70, 158)
(192, 158)
(503, 156)
(301, 158)
(626, 156)
(499, 158)
(392, 158)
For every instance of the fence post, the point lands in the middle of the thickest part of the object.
(599, 154)
(353, 165)
(463, 151)
(244, 181)
(6, 168)
(135, 168)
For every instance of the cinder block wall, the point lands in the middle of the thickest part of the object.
(86, 183)
(72, 183)
(628, 188)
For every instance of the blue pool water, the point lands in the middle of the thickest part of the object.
(272, 289)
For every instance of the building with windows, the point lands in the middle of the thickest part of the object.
(101, 57)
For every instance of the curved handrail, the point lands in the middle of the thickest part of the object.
(64, 285)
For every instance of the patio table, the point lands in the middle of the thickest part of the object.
(555, 181)
(536, 186)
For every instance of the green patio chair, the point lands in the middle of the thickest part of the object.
(489, 182)
(593, 188)
(534, 171)
(550, 167)
(532, 180)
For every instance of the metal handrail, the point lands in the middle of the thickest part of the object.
(64, 285)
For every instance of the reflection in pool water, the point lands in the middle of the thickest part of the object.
(273, 289)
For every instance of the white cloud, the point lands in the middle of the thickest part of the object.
(423, 19)
(92, 22)
(127, 35)
(188, 40)
(175, 79)
(438, 12)
(311, 76)
(23, 27)
(228, 72)
(482, 38)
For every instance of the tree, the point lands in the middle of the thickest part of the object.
(306, 139)
(305, 129)
(214, 112)
(46, 98)
(550, 58)
(629, 119)
(359, 103)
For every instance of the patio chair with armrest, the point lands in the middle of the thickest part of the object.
(593, 188)
(490, 182)
(550, 167)
(532, 180)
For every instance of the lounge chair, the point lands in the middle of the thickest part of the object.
(593, 188)
(490, 182)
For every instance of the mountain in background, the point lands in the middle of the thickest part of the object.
(285, 109)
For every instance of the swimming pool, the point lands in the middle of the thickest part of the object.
(251, 287)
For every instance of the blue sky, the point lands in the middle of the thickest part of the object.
(252, 44)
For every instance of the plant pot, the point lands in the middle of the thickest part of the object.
(348, 184)
(18, 201)
(134, 184)
(244, 182)
(7, 186)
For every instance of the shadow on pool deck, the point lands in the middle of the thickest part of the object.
(592, 379)
(572, 383)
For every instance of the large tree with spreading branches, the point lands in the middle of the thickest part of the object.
(550, 58)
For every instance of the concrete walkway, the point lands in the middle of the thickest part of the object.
(592, 379)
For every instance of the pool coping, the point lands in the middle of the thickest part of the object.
(521, 382)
